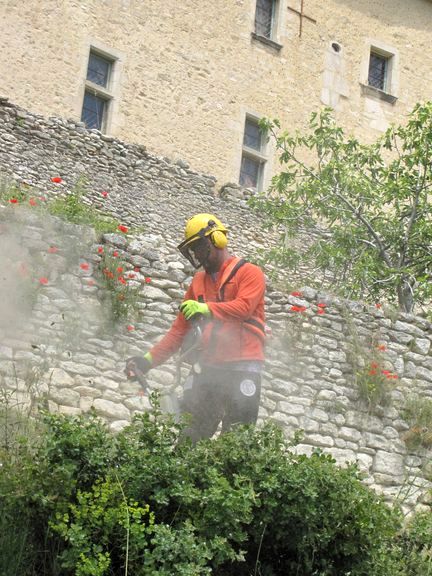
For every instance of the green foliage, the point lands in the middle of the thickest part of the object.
(368, 206)
(146, 502)
(73, 208)
(104, 531)
(418, 413)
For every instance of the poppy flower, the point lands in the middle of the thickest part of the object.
(100, 250)
(372, 372)
(378, 305)
(122, 280)
(374, 364)
(148, 280)
(320, 311)
(122, 228)
(52, 250)
(43, 280)
(130, 327)
(322, 305)
(56, 179)
(13, 200)
(119, 269)
(32, 202)
(131, 275)
(104, 194)
(84, 266)
(382, 347)
(298, 308)
(385, 372)
(297, 294)
(115, 253)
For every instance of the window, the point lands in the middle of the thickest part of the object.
(253, 158)
(265, 18)
(97, 95)
(378, 71)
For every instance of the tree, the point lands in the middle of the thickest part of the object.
(366, 208)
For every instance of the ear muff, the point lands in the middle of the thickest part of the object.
(219, 239)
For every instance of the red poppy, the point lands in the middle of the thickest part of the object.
(320, 311)
(298, 308)
(131, 275)
(372, 372)
(385, 372)
(52, 250)
(115, 253)
(84, 266)
(122, 280)
(130, 327)
(322, 305)
(119, 269)
(100, 250)
(378, 305)
(43, 280)
(13, 200)
(382, 347)
(374, 364)
(32, 202)
(122, 228)
(148, 280)
(56, 179)
(297, 294)
(104, 194)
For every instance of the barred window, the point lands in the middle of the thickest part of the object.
(378, 71)
(98, 70)
(93, 111)
(253, 159)
(264, 17)
(97, 94)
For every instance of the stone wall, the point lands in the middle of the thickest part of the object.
(187, 73)
(57, 340)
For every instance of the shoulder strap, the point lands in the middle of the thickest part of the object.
(231, 271)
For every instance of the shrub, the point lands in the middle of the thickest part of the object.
(147, 502)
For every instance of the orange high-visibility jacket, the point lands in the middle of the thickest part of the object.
(236, 331)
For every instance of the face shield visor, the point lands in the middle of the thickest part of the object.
(196, 251)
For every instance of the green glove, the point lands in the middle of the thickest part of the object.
(190, 308)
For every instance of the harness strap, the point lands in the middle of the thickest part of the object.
(231, 274)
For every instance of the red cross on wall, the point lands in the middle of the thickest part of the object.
(302, 15)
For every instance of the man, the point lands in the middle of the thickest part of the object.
(227, 300)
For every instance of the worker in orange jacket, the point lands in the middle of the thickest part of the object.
(227, 299)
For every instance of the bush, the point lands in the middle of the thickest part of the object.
(146, 502)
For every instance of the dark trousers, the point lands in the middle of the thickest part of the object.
(220, 395)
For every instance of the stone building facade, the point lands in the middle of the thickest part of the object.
(56, 343)
(190, 79)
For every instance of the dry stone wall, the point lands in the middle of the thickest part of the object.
(57, 340)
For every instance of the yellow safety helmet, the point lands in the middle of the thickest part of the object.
(201, 226)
